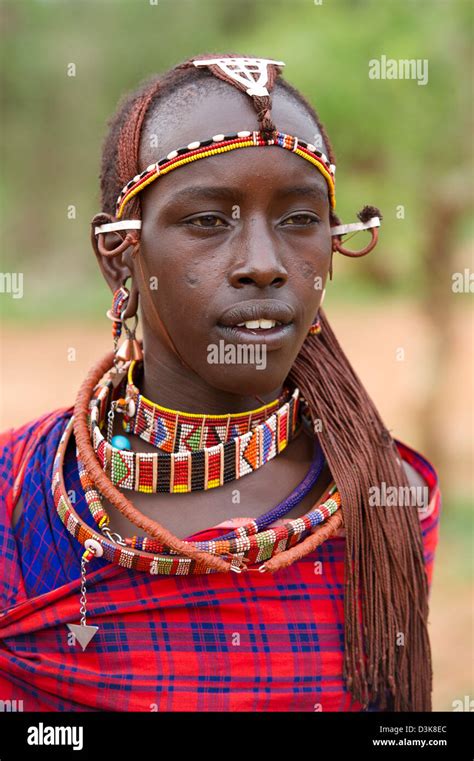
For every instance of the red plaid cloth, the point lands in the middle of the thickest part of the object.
(216, 642)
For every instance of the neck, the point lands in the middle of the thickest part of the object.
(169, 384)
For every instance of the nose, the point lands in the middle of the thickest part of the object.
(256, 260)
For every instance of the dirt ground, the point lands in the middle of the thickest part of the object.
(41, 370)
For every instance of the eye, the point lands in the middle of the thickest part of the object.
(301, 220)
(206, 220)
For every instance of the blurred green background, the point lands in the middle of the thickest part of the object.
(397, 143)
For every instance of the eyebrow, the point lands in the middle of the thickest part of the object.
(308, 191)
(201, 192)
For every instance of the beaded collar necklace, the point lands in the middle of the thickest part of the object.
(174, 431)
(202, 469)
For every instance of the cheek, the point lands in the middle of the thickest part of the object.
(187, 290)
(310, 276)
(309, 272)
(313, 256)
(202, 273)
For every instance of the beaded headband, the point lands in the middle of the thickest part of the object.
(223, 144)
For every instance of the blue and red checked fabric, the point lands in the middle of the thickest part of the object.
(216, 642)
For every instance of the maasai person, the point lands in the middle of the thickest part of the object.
(208, 529)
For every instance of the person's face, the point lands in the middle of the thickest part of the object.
(246, 229)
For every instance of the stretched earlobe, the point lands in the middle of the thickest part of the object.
(127, 230)
(110, 253)
(132, 304)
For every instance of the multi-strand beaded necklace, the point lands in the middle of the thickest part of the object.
(254, 542)
(251, 543)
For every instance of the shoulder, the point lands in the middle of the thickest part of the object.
(423, 477)
(17, 446)
(421, 474)
(22, 434)
(414, 476)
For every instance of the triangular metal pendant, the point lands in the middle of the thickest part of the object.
(82, 633)
(242, 70)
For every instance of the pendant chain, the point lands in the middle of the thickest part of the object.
(83, 608)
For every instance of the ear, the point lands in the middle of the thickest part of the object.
(116, 260)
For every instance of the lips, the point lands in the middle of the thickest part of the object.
(257, 315)
(267, 321)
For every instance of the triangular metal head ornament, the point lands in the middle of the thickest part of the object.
(251, 73)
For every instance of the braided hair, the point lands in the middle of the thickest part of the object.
(386, 587)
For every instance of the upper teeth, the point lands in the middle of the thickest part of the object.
(255, 324)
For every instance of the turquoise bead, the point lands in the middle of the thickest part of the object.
(120, 442)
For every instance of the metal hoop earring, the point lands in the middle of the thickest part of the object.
(337, 245)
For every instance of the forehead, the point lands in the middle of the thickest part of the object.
(197, 113)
